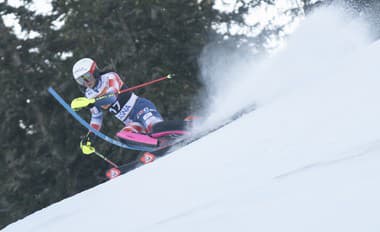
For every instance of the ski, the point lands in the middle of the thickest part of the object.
(149, 157)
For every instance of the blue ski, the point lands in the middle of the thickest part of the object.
(97, 133)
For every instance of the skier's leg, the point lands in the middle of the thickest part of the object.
(146, 113)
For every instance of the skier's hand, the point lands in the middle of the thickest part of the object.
(82, 102)
(85, 144)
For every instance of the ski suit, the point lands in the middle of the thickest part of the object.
(135, 112)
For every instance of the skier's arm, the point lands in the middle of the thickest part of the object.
(108, 97)
(114, 84)
(96, 123)
(84, 102)
(96, 118)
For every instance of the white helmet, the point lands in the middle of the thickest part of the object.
(85, 69)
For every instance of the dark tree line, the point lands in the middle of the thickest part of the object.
(40, 160)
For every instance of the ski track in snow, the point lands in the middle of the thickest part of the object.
(347, 156)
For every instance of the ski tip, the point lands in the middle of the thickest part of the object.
(113, 173)
(147, 157)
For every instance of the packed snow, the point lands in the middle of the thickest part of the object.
(307, 159)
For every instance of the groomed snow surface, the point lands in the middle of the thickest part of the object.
(308, 159)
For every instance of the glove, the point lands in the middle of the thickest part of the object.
(85, 144)
(82, 102)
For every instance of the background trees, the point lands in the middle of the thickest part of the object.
(40, 160)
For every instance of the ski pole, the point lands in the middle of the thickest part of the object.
(112, 172)
(169, 76)
(82, 102)
(107, 160)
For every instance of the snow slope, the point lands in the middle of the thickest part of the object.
(306, 160)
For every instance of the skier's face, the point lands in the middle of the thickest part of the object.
(88, 80)
(89, 83)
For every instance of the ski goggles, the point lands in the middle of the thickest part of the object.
(85, 78)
